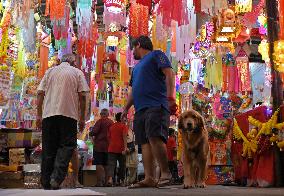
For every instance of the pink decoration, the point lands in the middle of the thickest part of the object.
(250, 17)
(173, 10)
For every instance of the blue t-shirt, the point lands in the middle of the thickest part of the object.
(148, 81)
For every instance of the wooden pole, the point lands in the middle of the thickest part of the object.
(276, 90)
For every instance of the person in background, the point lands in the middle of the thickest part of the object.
(57, 117)
(172, 151)
(117, 149)
(131, 158)
(100, 134)
(153, 96)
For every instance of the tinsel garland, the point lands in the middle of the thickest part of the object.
(4, 46)
(84, 18)
(55, 8)
(139, 17)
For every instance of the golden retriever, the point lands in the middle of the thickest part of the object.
(195, 148)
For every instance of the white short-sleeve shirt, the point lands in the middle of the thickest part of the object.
(61, 85)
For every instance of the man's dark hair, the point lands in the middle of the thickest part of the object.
(118, 117)
(144, 41)
(171, 131)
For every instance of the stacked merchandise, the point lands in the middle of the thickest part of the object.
(15, 148)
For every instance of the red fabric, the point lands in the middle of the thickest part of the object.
(261, 169)
(100, 131)
(116, 132)
(171, 146)
(197, 4)
(145, 3)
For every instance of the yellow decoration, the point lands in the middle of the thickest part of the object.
(243, 6)
(250, 142)
(4, 46)
(263, 49)
(265, 128)
(249, 146)
(278, 55)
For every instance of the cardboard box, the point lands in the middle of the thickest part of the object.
(89, 178)
(17, 156)
(3, 140)
(11, 175)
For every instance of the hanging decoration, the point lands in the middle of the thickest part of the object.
(250, 143)
(278, 55)
(87, 32)
(281, 19)
(263, 49)
(139, 17)
(173, 10)
(249, 18)
(243, 6)
(55, 9)
(114, 6)
(84, 18)
(113, 21)
(244, 74)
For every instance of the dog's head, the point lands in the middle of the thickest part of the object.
(191, 121)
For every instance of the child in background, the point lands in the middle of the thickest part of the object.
(172, 153)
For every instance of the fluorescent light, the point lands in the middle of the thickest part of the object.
(228, 29)
(222, 39)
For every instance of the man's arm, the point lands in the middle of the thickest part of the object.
(82, 105)
(128, 104)
(40, 98)
(125, 142)
(170, 81)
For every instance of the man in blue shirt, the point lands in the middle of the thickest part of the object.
(153, 88)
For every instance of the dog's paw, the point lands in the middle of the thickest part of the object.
(201, 185)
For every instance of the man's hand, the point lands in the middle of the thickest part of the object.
(172, 105)
(39, 123)
(81, 125)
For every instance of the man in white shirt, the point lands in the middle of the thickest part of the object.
(61, 97)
